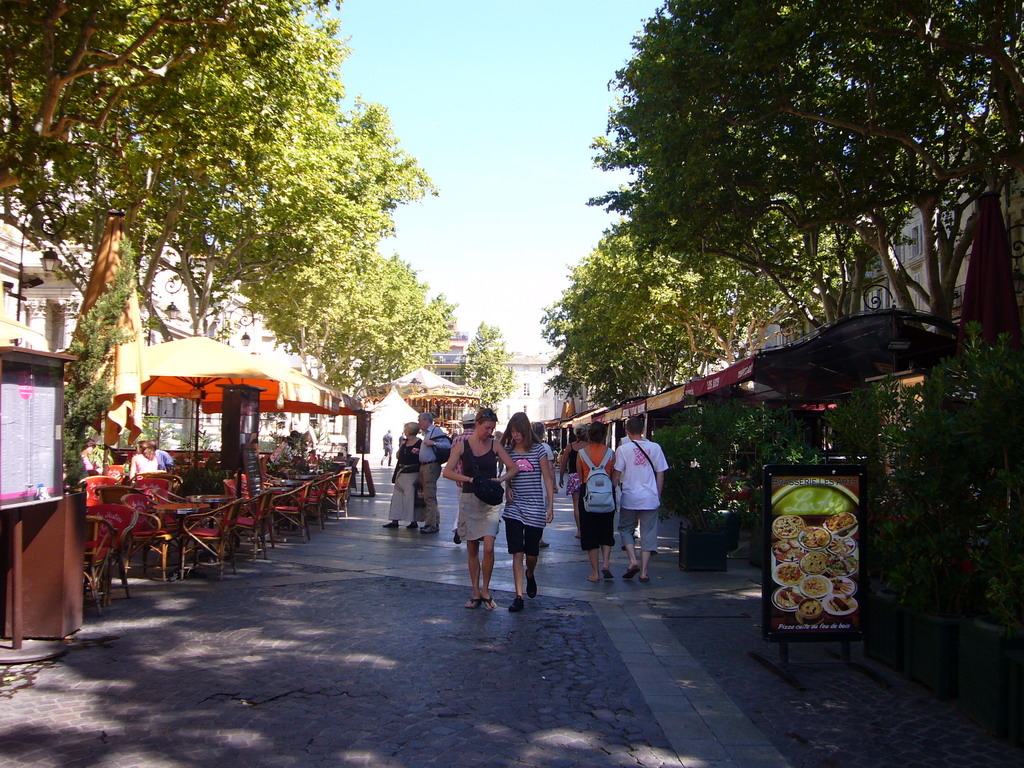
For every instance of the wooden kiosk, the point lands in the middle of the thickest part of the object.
(42, 531)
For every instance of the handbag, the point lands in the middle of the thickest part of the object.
(490, 492)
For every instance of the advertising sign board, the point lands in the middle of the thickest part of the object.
(814, 540)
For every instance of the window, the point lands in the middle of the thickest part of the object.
(543, 369)
(526, 389)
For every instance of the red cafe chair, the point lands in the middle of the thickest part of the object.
(91, 484)
(122, 519)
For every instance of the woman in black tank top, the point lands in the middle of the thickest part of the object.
(479, 457)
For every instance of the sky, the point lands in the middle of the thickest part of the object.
(500, 103)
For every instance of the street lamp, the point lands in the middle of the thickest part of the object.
(50, 261)
(246, 339)
(172, 312)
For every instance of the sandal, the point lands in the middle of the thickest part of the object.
(633, 571)
(644, 579)
(474, 602)
(489, 603)
(592, 580)
(606, 572)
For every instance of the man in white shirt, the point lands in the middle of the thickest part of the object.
(640, 467)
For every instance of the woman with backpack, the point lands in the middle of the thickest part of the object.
(568, 473)
(597, 501)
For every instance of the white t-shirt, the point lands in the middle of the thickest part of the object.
(639, 482)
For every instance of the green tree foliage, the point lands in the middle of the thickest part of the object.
(633, 323)
(797, 138)
(486, 366)
(73, 70)
(89, 380)
(367, 320)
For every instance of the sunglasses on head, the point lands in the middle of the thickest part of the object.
(488, 415)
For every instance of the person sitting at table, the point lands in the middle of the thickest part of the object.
(91, 463)
(144, 459)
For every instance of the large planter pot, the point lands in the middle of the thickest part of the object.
(732, 530)
(1015, 669)
(984, 673)
(930, 651)
(757, 544)
(702, 550)
(883, 630)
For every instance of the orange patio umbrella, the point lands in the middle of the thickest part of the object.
(128, 365)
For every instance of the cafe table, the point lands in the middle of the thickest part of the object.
(181, 509)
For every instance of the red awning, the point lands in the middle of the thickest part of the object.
(734, 374)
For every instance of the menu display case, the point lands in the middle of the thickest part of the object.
(42, 531)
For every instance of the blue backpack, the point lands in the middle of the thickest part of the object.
(600, 493)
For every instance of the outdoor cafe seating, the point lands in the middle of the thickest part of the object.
(137, 521)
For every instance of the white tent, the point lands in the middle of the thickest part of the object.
(391, 413)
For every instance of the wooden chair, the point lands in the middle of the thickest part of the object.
(91, 484)
(99, 547)
(316, 500)
(151, 533)
(290, 508)
(122, 519)
(211, 532)
(112, 494)
(253, 524)
(337, 491)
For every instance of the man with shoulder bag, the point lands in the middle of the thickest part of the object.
(640, 468)
(436, 449)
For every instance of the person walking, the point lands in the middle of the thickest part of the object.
(481, 457)
(407, 471)
(538, 436)
(597, 528)
(568, 474)
(640, 469)
(529, 504)
(388, 444)
(434, 450)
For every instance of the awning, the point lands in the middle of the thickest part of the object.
(842, 356)
(734, 374)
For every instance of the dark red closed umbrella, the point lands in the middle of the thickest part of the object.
(988, 293)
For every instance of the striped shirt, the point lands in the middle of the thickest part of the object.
(528, 504)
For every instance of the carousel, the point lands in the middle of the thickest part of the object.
(426, 392)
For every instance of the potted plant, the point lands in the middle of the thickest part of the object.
(990, 380)
(946, 523)
(692, 489)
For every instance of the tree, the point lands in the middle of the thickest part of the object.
(72, 69)
(633, 323)
(365, 319)
(797, 119)
(89, 391)
(486, 366)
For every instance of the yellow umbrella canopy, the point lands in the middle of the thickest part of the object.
(193, 368)
(128, 364)
(11, 330)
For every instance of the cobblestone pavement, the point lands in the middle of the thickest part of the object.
(843, 719)
(354, 649)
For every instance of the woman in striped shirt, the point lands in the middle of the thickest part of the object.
(528, 504)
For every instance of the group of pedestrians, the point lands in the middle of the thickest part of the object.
(417, 467)
(513, 479)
